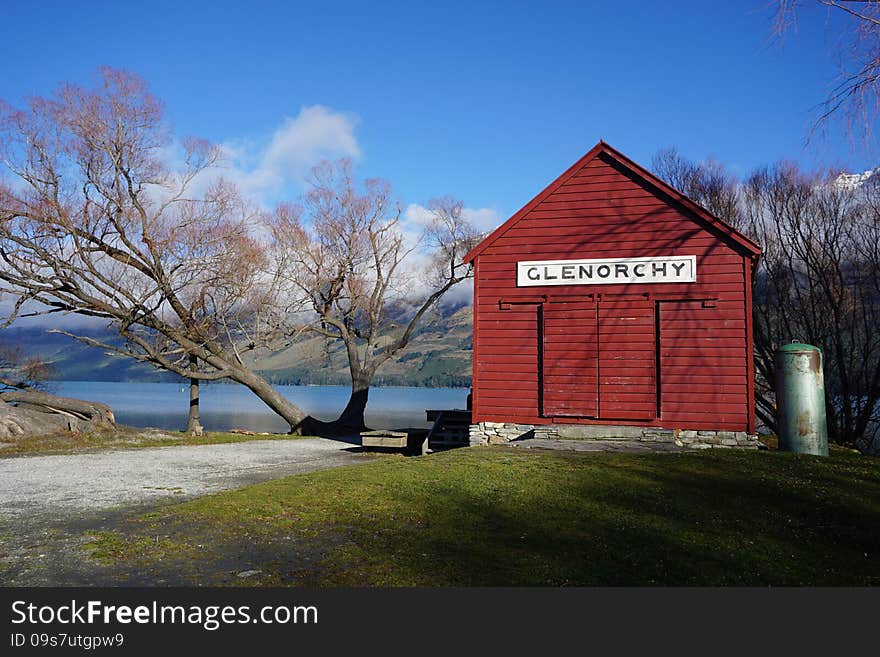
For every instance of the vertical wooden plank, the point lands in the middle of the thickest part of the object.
(475, 349)
(569, 382)
(627, 360)
(697, 344)
(750, 346)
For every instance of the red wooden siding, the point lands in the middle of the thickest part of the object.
(598, 360)
(570, 360)
(627, 367)
(673, 354)
(507, 377)
(702, 362)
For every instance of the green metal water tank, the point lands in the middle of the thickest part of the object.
(800, 399)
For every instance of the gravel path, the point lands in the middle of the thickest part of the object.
(108, 479)
(49, 504)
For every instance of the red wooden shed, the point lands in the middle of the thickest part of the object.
(613, 302)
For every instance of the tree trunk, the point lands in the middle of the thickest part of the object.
(292, 413)
(351, 420)
(352, 416)
(194, 425)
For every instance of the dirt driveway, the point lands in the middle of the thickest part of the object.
(47, 503)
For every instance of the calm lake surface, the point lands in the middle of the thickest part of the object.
(224, 407)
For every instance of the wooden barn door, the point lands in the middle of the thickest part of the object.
(599, 360)
(570, 355)
(627, 360)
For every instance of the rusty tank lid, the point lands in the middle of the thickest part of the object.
(795, 347)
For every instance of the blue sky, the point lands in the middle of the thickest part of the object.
(484, 101)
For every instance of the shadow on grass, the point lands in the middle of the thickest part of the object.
(500, 517)
(733, 521)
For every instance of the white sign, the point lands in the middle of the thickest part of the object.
(607, 271)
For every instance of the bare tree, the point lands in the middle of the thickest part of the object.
(818, 279)
(820, 283)
(348, 255)
(708, 183)
(857, 92)
(95, 222)
(19, 372)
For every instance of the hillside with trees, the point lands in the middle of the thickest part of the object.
(439, 354)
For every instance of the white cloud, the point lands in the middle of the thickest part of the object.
(414, 219)
(265, 171)
(484, 219)
(417, 217)
(461, 294)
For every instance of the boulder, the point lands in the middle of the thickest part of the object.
(36, 413)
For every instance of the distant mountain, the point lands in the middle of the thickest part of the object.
(71, 360)
(439, 354)
(853, 180)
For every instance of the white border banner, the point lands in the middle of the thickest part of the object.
(607, 271)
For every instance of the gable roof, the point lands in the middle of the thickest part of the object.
(710, 222)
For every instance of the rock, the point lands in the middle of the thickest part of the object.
(244, 574)
(44, 402)
(37, 413)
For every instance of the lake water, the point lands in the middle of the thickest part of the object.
(225, 406)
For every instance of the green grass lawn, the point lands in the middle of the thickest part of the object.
(499, 516)
(123, 438)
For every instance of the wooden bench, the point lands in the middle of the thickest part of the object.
(412, 442)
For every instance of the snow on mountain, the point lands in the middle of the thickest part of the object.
(853, 180)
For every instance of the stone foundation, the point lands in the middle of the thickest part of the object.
(495, 433)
